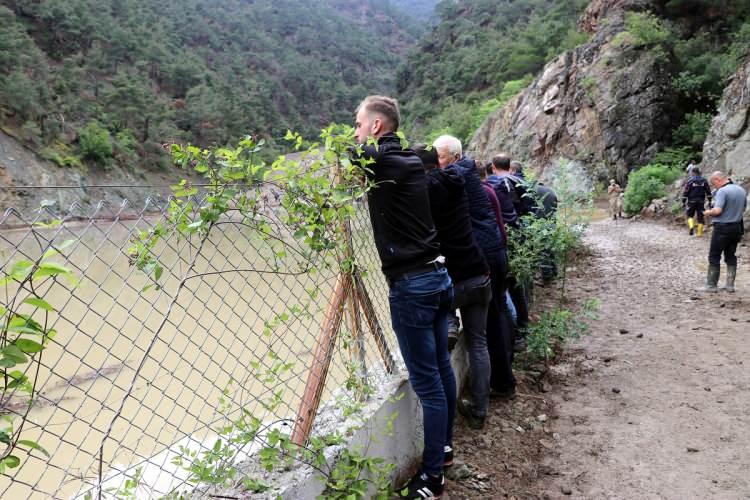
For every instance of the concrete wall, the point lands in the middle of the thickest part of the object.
(401, 445)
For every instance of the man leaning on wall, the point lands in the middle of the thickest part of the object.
(421, 291)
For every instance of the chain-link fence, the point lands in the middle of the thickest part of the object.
(139, 373)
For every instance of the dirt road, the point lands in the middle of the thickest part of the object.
(655, 403)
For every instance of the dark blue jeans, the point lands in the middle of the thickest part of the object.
(419, 312)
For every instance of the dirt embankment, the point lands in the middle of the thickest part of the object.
(655, 403)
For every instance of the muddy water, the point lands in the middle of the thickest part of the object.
(208, 336)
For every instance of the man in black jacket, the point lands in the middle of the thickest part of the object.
(490, 240)
(470, 275)
(694, 196)
(421, 291)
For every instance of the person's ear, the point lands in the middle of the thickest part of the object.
(377, 126)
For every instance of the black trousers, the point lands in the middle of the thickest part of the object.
(500, 327)
(695, 208)
(724, 240)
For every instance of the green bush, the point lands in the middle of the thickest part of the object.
(95, 142)
(693, 130)
(647, 184)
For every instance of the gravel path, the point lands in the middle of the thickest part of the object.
(655, 403)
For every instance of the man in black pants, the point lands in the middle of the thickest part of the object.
(694, 196)
(421, 291)
(470, 275)
(490, 240)
(730, 203)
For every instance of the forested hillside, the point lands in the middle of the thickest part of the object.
(420, 9)
(111, 80)
(481, 53)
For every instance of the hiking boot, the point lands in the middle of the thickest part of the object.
(712, 278)
(503, 394)
(519, 344)
(466, 409)
(731, 275)
(447, 456)
(422, 486)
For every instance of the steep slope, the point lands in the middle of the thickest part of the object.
(458, 72)
(647, 80)
(153, 71)
(728, 144)
(607, 103)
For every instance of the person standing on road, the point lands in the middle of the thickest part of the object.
(694, 196)
(615, 201)
(421, 291)
(730, 203)
(469, 272)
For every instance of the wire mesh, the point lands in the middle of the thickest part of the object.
(137, 374)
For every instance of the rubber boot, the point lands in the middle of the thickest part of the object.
(731, 275)
(712, 278)
(691, 225)
(699, 232)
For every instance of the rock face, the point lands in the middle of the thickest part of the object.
(606, 104)
(727, 146)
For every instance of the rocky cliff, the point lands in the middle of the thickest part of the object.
(727, 146)
(607, 104)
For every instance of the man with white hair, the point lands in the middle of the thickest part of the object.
(493, 245)
(730, 203)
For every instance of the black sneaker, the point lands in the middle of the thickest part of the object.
(466, 409)
(448, 456)
(504, 394)
(423, 486)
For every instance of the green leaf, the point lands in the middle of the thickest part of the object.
(51, 269)
(40, 303)
(13, 353)
(11, 461)
(20, 270)
(28, 346)
(34, 445)
(56, 249)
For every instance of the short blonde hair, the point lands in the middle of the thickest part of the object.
(386, 107)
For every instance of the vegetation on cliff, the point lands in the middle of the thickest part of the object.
(458, 73)
(140, 73)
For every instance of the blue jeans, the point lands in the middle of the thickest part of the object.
(419, 313)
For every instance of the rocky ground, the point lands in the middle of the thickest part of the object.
(652, 404)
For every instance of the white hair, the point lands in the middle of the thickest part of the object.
(451, 143)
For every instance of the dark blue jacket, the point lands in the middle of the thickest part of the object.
(483, 222)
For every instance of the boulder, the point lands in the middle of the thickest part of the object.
(727, 146)
(606, 104)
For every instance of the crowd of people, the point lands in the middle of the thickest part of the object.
(440, 222)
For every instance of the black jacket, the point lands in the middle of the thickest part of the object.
(696, 190)
(450, 211)
(405, 235)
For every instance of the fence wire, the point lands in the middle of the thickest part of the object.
(137, 374)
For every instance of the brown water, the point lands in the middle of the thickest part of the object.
(210, 337)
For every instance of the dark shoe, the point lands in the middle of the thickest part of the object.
(423, 486)
(504, 394)
(466, 409)
(519, 344)
(448, 456)
(691, 231)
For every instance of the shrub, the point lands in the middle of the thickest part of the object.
(95, 142)
(693, 130)
(647, 184)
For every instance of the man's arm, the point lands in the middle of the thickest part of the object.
(718, 205)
